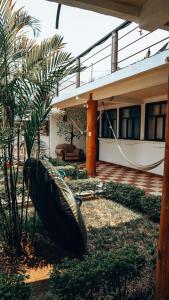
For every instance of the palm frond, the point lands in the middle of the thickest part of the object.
(13, 25)
(38, 116)
(35, 57)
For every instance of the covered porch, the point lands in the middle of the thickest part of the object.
(150, 183)
(140, 85)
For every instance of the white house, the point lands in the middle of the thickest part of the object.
(134, 94)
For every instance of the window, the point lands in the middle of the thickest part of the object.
(155, 121)
(106, 131)
(130, 122)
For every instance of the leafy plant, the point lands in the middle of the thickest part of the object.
(81, 185)
(12, 287)
(81, 174)
(123, 193)
(67, 166)
(151, 206)
(67, 170)
(102, 274)
(56, 163)
(133, 198)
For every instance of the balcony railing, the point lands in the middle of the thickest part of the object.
(124, 46)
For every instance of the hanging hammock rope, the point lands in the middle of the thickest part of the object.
(80, 130)
(75, 124)
(132, 163)
(141, 167)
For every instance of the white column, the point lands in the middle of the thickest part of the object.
(52, 135)
(100, 124)
(142, 124)
(118, 120)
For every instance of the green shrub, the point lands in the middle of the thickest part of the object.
(71, 171)
(55, 162)
(12, 287)
(97, 274)
(81, 185)
(134, 198)
(67, 170)
(151, 205)
(81, 174)
(125, 194)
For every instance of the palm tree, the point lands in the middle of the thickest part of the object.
(29, 73)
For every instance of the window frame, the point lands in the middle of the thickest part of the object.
(104, 116)
(120, 124)
(156, 116)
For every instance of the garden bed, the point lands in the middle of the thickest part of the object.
(119, 218)
(125, 194)
(111, 227)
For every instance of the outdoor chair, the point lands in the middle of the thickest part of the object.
(68, 152)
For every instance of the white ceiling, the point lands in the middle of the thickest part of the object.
(150, 14)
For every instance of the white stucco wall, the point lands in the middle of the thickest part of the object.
(143, 152)
(45, 140)
(139, 151)
(54, 139)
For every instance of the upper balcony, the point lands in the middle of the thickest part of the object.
(124, 52)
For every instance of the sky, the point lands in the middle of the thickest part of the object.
(80, 28)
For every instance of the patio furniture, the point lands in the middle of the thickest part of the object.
(56, 206)
(68, 152)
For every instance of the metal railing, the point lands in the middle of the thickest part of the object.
(125, 45)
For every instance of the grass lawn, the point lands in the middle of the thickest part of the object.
(112, 226)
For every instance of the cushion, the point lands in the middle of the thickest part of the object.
(56, 206)
(71, 154)
(66, 147)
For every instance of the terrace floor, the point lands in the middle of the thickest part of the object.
(151, 183)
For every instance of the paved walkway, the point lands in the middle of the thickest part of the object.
(151, 183)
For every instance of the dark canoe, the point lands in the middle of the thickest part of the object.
(56, 206)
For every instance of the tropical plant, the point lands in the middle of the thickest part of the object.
(29, 73)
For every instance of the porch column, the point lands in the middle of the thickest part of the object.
(91, 138)
(162, 284)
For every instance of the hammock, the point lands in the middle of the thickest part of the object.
(132, 163)
(78, 128)
(141, 167)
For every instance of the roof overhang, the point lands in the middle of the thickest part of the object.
(150, 14)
